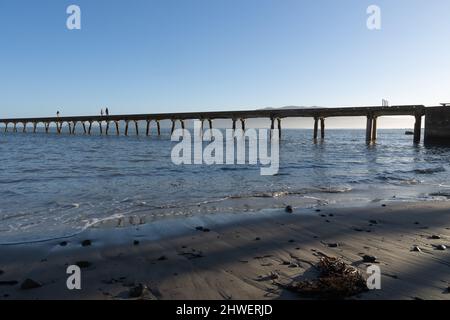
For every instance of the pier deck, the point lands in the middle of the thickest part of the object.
(275, 115)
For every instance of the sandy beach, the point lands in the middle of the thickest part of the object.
(237, 256)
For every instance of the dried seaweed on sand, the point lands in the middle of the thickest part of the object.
(337, 280)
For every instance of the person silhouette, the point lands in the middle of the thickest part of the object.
(101, 112)
(107, 111)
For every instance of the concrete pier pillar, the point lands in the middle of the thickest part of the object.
(70, 127)
(322, 128)
(100, 127)
(117, 128)
(24, 127)
(90, 127)
(418, 129)
(243, 124)
(107, 127)
(158, 126)
(182, 124)
(210, 123)
(234, 125)
(74, 126)
(316, 128)
(147, 129)
(369, 129)
(6, 127)
(47, 126)
(374, 129)
(34, 127)
(84, 127)
(136, 126)
(173, 127)
(15, 127)
(126, 127)
(279, 127)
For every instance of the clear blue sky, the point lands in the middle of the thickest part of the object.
(145, 56)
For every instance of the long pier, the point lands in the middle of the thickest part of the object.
(372, 113)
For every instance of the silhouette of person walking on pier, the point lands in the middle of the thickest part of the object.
(101, 112)
(57, 114)
(107, 111)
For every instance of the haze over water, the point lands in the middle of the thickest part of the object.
(53, 186)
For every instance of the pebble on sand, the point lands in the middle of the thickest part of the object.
(289, 209)
(416, 249)
(30, 284)
(441, 247)
(162, 258)
(86, 243)
(333, 245)
(370, 259)
(63, 243)
(435, 237)
(136, 291)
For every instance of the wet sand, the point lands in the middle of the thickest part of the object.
(238, 256)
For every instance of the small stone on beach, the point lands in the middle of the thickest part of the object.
(63, 243)
(441, 247)
(162, 258)
(136, 291)
(257, 238)
(289, 209)
(370, 259)
(416, 249)
(30, 284)
(435, 237)
(135, 242)
(333, 245)
(86, 243)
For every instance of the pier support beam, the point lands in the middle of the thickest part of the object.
(117, 127)
(234, 125)
(24, 127)
(243, 124)
(74, 126)
(136, 126)
(369, 129)
(418, 129)
(126, 127)
(15, 127)
(100, 127)
(107, 128)
(374, 129)
(84, 127)
(316, 128)
(158, 126)
(47, 126)
(173, 127)
(147, 129)
(279, 128)
(34, 127)
(182, 124)
(322, 128)
(6, 127)
(90, 127)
